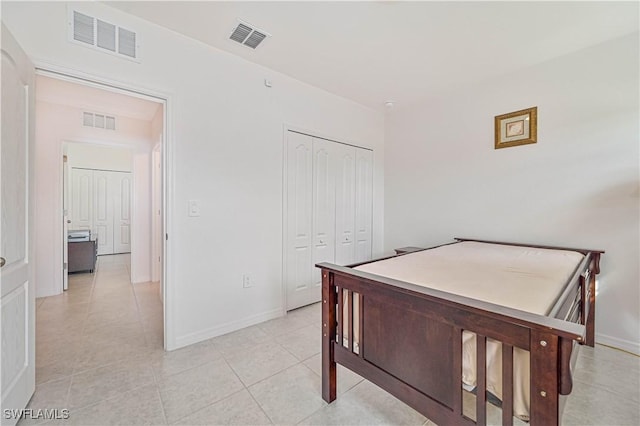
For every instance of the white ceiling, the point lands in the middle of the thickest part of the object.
(403, 51)
(91, 99)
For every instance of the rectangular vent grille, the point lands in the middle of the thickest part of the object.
(106, 36)
(247, 35)
(83, 28)
(103, 35)
(100, 121)
(127, 42)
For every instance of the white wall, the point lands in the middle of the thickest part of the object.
(100, 157)
(227, 142)
(55, 125)
(577, 187)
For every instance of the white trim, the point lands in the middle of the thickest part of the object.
(625, 345)
(168, 165)
(219, 330)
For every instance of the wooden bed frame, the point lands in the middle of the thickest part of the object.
(410, 340)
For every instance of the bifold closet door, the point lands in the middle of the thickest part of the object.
(121, 186)
(81, 199)
(329, 211)
(325, 155)
(101, 202)
(363, 204)
(345, 204)
(103, 190)
(299, 239)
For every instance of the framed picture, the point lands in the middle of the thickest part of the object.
(517, 128)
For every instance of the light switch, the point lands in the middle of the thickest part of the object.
(194, 208)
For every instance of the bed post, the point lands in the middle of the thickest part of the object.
(328, 336)
(544, 408)
(594, 269)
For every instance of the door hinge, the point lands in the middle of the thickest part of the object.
(65, 265)
(166, 237)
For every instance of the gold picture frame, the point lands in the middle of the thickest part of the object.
(516, 128)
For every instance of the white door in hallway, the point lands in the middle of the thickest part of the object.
(81, 199)
(17, 297)
(103, 210)
(121, 186)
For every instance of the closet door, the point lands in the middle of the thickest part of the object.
(345, 204)
(325, 155)
(81, 199)
(363, 204)
(121, 186)
(299, 243)
(103, 211)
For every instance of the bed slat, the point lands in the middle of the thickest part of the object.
(481, 387)
(350, 320)
(339, 337)
(457, 371)
(360, 325)
(507, 385)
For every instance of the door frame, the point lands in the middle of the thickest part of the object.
(168, 165)
(286, 128)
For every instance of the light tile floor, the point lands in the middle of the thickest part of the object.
(99, 354)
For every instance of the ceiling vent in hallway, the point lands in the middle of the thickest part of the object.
(100, 121)
(248, 35)
(103, 36)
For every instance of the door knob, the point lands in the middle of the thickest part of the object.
(2, 262)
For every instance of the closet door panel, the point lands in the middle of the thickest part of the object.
(103, 211)
(363, 204)
(122, 211)
(299, 220)
(81, 199)
(324, 206)
(345, 205)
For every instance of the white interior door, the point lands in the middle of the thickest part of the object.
(345, 205)
(299, 252)
(17, 300)
(81, 201)
(103, 211)
(363, 204)
(121, 196)
(325, 155)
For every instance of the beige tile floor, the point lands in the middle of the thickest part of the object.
(99, 354)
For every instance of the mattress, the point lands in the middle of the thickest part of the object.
(524, 278)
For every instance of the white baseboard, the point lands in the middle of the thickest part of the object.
(625, 345)
(229, 327)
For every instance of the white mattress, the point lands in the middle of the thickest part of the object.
(525, 278)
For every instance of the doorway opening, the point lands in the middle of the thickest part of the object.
(107, 145)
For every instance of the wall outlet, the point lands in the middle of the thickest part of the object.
(247, 282)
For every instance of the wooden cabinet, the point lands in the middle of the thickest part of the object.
(83, 255)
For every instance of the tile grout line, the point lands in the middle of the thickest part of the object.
(248, 390)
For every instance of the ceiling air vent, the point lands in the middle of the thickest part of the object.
(100, 121)
(83, 28)
(248, 35)
(103, 36)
